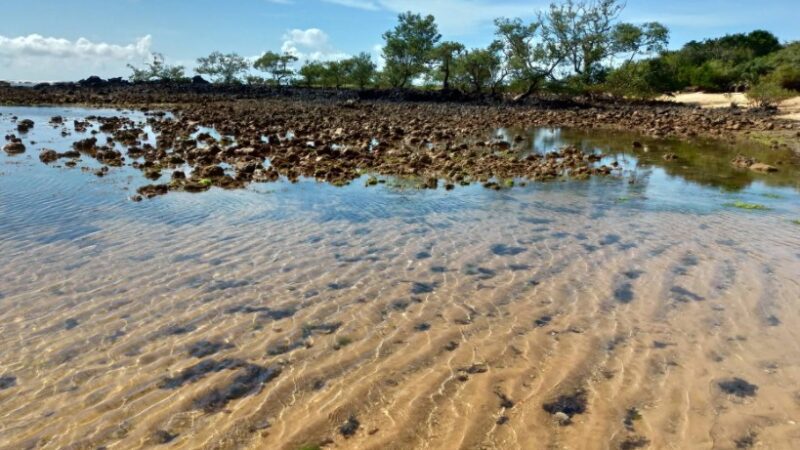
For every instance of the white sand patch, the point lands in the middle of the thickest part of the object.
(790, 109)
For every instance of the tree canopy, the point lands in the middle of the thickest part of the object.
(223, 68)
(409, 48)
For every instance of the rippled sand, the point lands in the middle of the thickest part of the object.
(395, 319)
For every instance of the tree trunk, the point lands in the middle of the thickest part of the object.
(532, 86)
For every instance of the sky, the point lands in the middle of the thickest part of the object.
(57, 40)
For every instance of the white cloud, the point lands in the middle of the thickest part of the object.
(36, 45)
(39, 58)
(310, 44)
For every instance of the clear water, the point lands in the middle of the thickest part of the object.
(100, 297)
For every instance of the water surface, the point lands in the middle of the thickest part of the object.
(397, 317)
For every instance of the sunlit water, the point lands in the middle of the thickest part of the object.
(415, 312)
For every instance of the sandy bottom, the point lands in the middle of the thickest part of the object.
(451, 331)
(789, 109)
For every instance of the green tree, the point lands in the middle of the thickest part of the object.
(582, 33)
(648, 39)
(278, 65)
(157, 69)
(222, 68)
(529, 60)
(362, 70)
(312, 73)
(408, 48)
(445, 55)
(481, 69)
(336, 73)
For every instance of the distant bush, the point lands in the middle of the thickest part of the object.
(645, 79)
(157, 70)
(768, 93)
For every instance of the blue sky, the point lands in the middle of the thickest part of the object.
(45, 40)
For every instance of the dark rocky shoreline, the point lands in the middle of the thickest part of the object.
(337, 136)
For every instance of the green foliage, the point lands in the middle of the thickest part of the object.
(445, 56)
(157, 70)
(568, 44)
(362, 70)
(409, 48)
(648, 39)
(582, 32)
(723, 64)
(479, 70)
(223, 68)
(358, 71)
(768, 93)
(278, 65)
(311, 73)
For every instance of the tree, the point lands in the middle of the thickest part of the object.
(222, 68)
(582, 32)
(481, 69)
(572, 40)
(362, 70)
(336, 73)
(529, 60)
(445, 55)
(158, 70)
(311, 73)
(648, 39)
(408, 48)
(277, 65)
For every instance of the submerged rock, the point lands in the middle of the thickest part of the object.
(350, 427)
(15, 147)
(47, 156)
(568, 404)
(763, 168)
(7, 381)
(738, 387)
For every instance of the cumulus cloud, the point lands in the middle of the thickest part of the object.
(38, 58)
(311, 44)
(36, 45)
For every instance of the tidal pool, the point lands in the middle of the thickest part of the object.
(640, 309)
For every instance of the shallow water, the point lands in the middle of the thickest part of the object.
(435, 319)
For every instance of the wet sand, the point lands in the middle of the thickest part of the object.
(571, 314)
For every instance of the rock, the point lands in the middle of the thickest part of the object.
(47, 156)
(670, 156)
(350, 427)
(24, 125)
(738, 387)
(209, 172)
(763, 168)
(93, 80)
(562, 418)
(197, 79)
(7, 382)
(14, 147)
(153, 190)
(743, 162)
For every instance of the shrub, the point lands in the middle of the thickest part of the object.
(768, 93)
